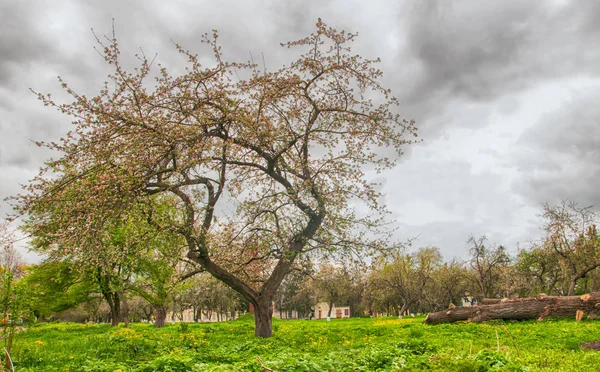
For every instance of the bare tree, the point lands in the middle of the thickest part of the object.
(10, 260)
(407, 276)
(571, 233)
(540, 268)
(486, 264)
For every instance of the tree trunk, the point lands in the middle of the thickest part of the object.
(539, 308)
(161, 316)
(114, 303)
(263, 319)
(115, 314)
(125, 309)
(572, 287)
(402, 309)
(330, 308)
(115, 308)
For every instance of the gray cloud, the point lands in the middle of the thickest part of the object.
(468, 48)
(559, 156)
(473, 51)
(462, 69)
(23, 39)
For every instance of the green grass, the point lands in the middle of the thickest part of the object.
(382, 344)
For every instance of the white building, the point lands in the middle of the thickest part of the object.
(467, 301)
(337, 312)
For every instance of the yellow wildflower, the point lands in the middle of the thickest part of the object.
(39, 342)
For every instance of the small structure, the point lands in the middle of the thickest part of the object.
(467, 300)
(337, 312)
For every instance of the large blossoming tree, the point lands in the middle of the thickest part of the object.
(266, 166)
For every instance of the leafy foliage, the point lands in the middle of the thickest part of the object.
(288, 148)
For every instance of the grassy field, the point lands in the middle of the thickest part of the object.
(381, 344)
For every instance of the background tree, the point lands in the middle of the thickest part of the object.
(358, 287)
(108, 252)
(571, 233)
(486, 264)
(406, 276)
(332, 285)
(53, 287)
(297, 292)
(540, 269)
(13, 305)
(288, 146)
(160, 268)
(158, 279)
(451, 282)
(211, 297)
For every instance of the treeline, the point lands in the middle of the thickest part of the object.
(395, 282)
(564, 262)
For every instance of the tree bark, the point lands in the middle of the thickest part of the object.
(490, 301)
(263, 319)
(402, 309)
(572, 286)
(114, 316)
(124, 309)
(161, 316)
(115, 307)
(539, 308)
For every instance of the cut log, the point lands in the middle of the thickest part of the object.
(539, 307)
(595, 345)
(490, 301)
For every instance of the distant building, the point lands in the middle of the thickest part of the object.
(337, 312)
(467, 301)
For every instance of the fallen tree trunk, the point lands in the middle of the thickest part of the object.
(491, 301)
(539, 307)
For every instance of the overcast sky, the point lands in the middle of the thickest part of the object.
(506, 94)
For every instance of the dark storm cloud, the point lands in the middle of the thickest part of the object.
(467, 48)
(559, 157)
(480, 51)
(451, 63)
